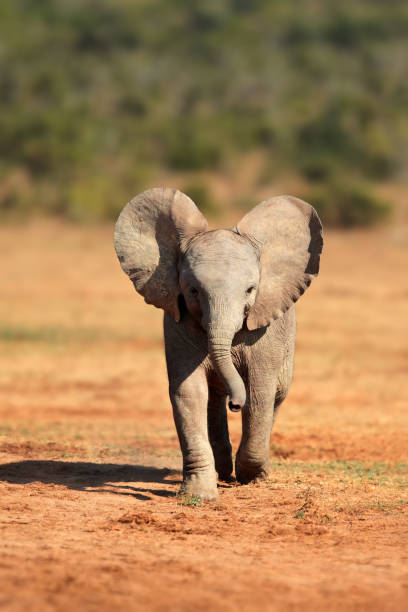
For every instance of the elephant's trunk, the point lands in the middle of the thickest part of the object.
(219, 348)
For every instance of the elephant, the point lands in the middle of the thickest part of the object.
(229, 320)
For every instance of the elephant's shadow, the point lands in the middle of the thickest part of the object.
(92, 477)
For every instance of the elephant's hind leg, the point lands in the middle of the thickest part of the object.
(252, 461)
(284, 381)
(219, 435)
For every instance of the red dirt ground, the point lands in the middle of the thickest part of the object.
(89, 459)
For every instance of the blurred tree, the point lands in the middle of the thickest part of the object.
(98, 96)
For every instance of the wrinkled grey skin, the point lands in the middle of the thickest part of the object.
(229, 322)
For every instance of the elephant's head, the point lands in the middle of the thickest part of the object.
(228, 279)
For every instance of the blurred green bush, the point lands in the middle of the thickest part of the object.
(348, 203)
(201, 195)
(98, 97)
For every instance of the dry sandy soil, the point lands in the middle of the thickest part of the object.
(89, 459)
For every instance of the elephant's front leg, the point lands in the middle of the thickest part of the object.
(253, 461)
(189, 399)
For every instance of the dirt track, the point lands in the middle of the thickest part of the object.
(89, 460)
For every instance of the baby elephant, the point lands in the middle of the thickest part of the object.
(229, 322)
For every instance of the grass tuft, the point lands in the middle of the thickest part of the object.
(190, 500)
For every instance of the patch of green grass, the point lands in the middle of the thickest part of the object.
(111, 449)
(45, 432)
(377, 473)
(57, 335)
(5, 430)
(171, 452)
(189, 500)
(375, 505)
(48, 335)
(325, 518)
(25, 334)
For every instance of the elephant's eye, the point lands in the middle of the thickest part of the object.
(250, 289)
(194, 291)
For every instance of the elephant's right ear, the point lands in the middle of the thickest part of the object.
(149, 234)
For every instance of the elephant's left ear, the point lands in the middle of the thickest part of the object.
(289, 233)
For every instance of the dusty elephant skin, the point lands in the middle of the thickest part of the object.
(229, 321)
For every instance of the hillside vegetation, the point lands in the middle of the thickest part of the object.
(99, 97)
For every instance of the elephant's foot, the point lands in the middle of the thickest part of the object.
(250, 471)
(224, 465)
(201, 485)
(224, 477)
